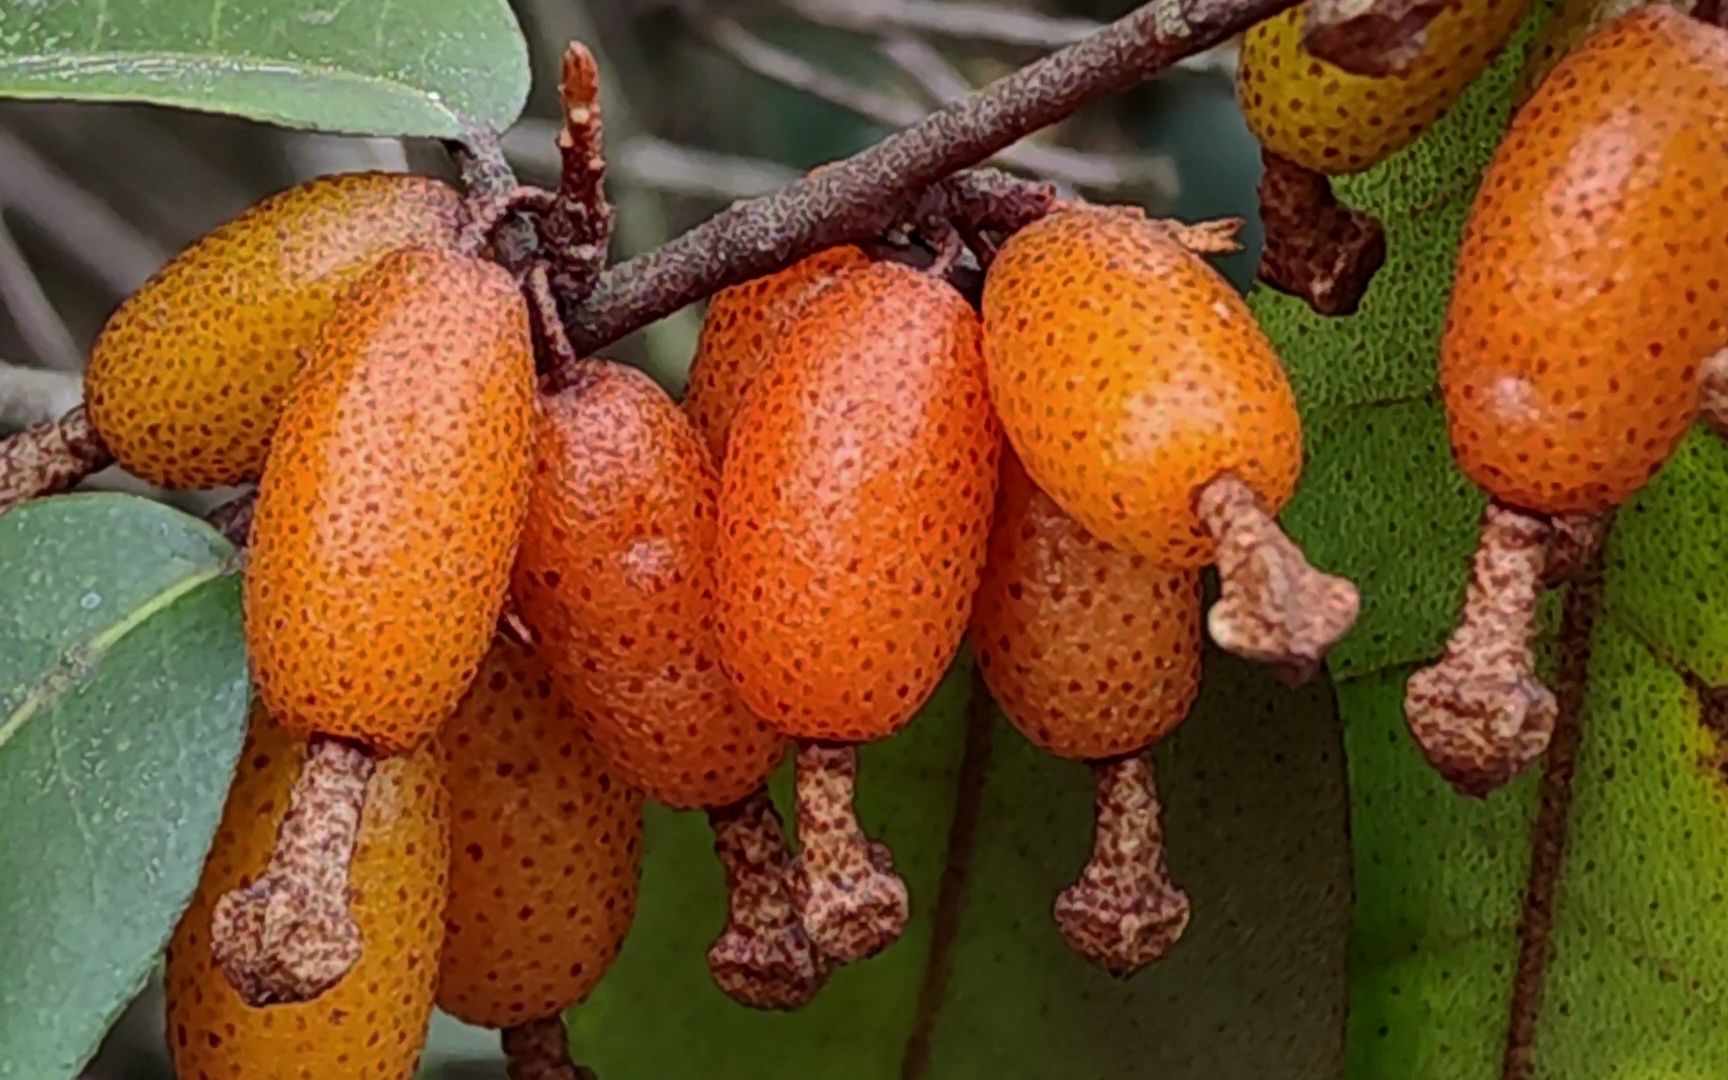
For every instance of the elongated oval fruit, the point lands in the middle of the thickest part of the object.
(1332, 121)
(372, 1025)
(1129, 375)
(615, 576)
(1593, 275)
(546, 850)
(855, 507)
(738, 332)
(392, 503)
(1092, 651)
(187, 378)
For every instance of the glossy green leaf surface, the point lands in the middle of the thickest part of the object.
(382, 67)
(1637, 949)
(123, 693)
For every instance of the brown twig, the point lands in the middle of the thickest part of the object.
(1316, 248)
(1274, 607)
(1713, 392)
(858, 198)
(849, 899)
(50, 458)
(289, 936)
(1479, 713)
(233, 519)
(763, 958)
(1124, 912)
(539, 1050)
(1370, 37)
(486, 176)
(555, 354)
(577, 231)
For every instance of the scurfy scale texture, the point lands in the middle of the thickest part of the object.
(1091, 651)
(390, 509)
(545, 849)
(1334, 122)
(738, 331)
(372, 1025)
(855, 507)
(187, 378)
(1128, 375)
(1593, 275)
(615, 575)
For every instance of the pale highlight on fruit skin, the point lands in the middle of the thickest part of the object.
(615, 576)
(739, 331)
(1334, 122)
(187, 378)
(855, 507)
(391, 507)
(1592, 279)
(1128, 375)
(546, 850)
(372, 1025)
(1091, 651)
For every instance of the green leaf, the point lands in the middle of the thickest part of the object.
(380, 67)
(123, 693)
(1638, 940)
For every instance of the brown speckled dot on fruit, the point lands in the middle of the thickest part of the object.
(392, 502)
(372, 1025)
(739, 329)
(615, 576)
(1328, 120)
(1128, 374)
(1593, 275)
(187, 378)
(546, 850)
(855, 507)
(1091, 651)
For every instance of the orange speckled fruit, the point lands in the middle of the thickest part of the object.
(1128, 375)
(1593, 275)
(392, 502)
(1091, 651)
(855, 507)
(615, 576)
(186, 380)
(546, 850)
(740, 327)
(1334, 122)
(373, 1024)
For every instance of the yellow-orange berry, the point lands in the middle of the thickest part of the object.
(1332, 121)
(1593, 275)
(186, 380)
(738, 331)
(1091, 651)
(855, 507)
(372, 1025)
(615, 576)
(546, 850)
(392, 502)
(1128, 375)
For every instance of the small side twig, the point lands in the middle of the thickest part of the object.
(577, 229)
(1370, 37)
(50, 458)
(1316, 248)
(487, 177)
(540, 1050)
(289, 936)
(233, 519)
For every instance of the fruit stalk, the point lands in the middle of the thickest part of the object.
(1317, 248)
(1712, 393)
(233, 519)
(850, 900)
(1275, 608)
(539, 1050)
(1124, 912)
(763, 958)
(50, 458)
(289, 936)
(1479, 713)
(1370, 37)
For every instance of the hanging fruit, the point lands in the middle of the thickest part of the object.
(1589, 290)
